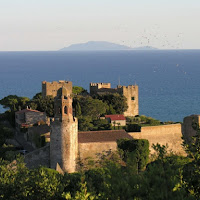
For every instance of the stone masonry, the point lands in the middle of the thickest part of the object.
(130, 92)
(64, 133)
(51, 88)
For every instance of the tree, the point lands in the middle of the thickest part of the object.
(135, 151)
(85, 123)
(5, 133)
(13, 102)
(78, 110)
(77, 90)
(43, 104)
(117, 101)
(92, 107)
(191, 171)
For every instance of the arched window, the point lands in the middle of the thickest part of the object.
(65, 109)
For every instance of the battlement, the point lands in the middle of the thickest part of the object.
(100, 85)
(130, 87)
(130, 92)
(51, 88)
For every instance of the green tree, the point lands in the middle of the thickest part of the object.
(78, 110)
(162, 178)
(13, 102)
(135, 152)
(117, 101)
(5, 133)
(43, 104)
(191, 171)
(92, 107)
(101, 124)
(77, 90)
(85, 123)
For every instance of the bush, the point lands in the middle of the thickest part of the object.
(136, 150)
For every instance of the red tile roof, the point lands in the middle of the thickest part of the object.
(102, 136)
(26, 110)
(115, 117)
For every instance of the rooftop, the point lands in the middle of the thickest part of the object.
(27, 110)
(115, 117)
(102, 136)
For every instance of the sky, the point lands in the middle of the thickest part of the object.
(49, 25)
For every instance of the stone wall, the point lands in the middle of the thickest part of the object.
(164, 134)
(35, 117)
(131, 94)
(190, 123)
(39, 157)
(35, 132)
(90, 150)
(51, 88)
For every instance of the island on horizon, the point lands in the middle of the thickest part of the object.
(102, 46)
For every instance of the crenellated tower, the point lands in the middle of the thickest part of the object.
(130, 92)
(64, 133)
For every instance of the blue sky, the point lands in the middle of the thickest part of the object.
(53, 24)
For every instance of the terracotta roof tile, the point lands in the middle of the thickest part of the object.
(26, 110)
(115, 117)
(102, 136)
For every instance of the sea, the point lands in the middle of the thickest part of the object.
(168, 80)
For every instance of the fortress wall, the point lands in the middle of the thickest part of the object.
(131, 92)
(51, 88)
(38, 157)
(189, 125)
(92, 149)
(94, 87)
(164, 134)
(34, 117)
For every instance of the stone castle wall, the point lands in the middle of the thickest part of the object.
(164, 134)
(35, 117)
(92, 149)
(39, 157)
(51, 88)
(130, 92)
(190, 124)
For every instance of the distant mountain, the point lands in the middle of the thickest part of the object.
(102, 46)
(95, 46)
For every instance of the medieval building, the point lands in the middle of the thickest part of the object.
(67, 145)
(130, 92)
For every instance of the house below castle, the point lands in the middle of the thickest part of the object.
(28, 117)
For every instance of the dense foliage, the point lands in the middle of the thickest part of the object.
(77, 90)
(43, 104)
(117, 104)
(135, 151)
(111, 179)
(89, 109)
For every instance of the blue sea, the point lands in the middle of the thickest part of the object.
(168, 80)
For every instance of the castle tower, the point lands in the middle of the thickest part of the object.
(64, 133)
(51, 88)
(131, 94)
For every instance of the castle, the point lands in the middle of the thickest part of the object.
(67, 144)
(130, 92)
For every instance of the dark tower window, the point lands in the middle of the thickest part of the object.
(132, 98)
(59, 110)
(65, 109)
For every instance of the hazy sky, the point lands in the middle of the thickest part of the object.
(54, 24)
